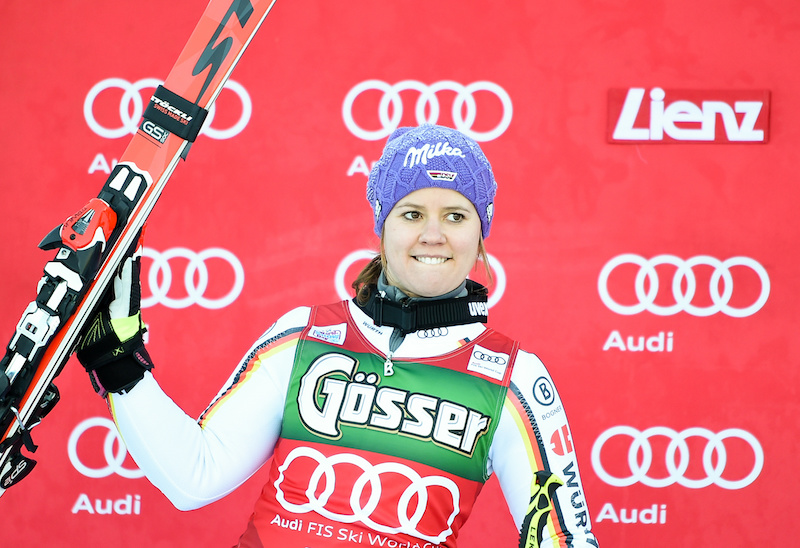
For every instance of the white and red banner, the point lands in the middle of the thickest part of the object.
(643, 245)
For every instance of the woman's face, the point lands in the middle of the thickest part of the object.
(430, 240)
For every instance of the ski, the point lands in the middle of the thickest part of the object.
(91, 243)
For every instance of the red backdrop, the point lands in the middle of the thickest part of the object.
(643, 244)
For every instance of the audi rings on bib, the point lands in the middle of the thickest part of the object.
(431, 333)
(464, 101)
(415, 495)
(114, 460)
(478, 355)
(720, 302)
(131, 108)
(640, 444)
(197, 264)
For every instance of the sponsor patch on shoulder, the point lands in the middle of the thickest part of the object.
(488, 363)
(437, 175)
(334, 334)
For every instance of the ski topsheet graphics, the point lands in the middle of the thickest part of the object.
(91, 243)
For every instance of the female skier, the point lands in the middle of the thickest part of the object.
(381, 417)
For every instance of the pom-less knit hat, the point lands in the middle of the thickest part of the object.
(431, 156)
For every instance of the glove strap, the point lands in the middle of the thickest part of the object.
(113, 365)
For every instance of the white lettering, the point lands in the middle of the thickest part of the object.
(747, 131)
(648, 515)
(476, 423)
(320, 529)
(165, 105)
(324, 420)
(630, 109)
(614, 341)
(422, 155)
(389, 401)
(419, 408)
(101, 164)
(478, 309)
(686, 121)
(332, 393)
(655, 514)
(358, 165)
(357, 404)
(126, 506)
(19, 469)
(295, 524)
(376, 539)
(83, 504)
(350, 536)
(661, 342)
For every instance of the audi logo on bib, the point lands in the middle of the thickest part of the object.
(113, 451)
(132, 104)
(469, 99)
(366, 492)
(723, 454)
(731, 274)
(195, 277)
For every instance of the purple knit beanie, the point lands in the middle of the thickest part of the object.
(431, 156)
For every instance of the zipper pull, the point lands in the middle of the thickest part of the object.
(388, 366)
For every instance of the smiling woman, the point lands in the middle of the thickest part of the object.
(383, 416)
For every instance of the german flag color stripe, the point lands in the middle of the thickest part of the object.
(250, 365)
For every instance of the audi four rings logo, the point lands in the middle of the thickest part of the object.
(114, 458)
(366, 255)
(159, 277)
(434, 332)
(478, 355)
(131, 108)
(676, 471)
(683, 297)
(411, 505)
(464, 101)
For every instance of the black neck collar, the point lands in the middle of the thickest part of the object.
(413, 315)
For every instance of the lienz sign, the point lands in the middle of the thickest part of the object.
(657, 115)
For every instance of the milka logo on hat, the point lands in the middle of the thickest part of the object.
(427, 151)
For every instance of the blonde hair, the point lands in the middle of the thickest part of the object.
(368, 277)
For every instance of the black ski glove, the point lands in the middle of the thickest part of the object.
(112, 347)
